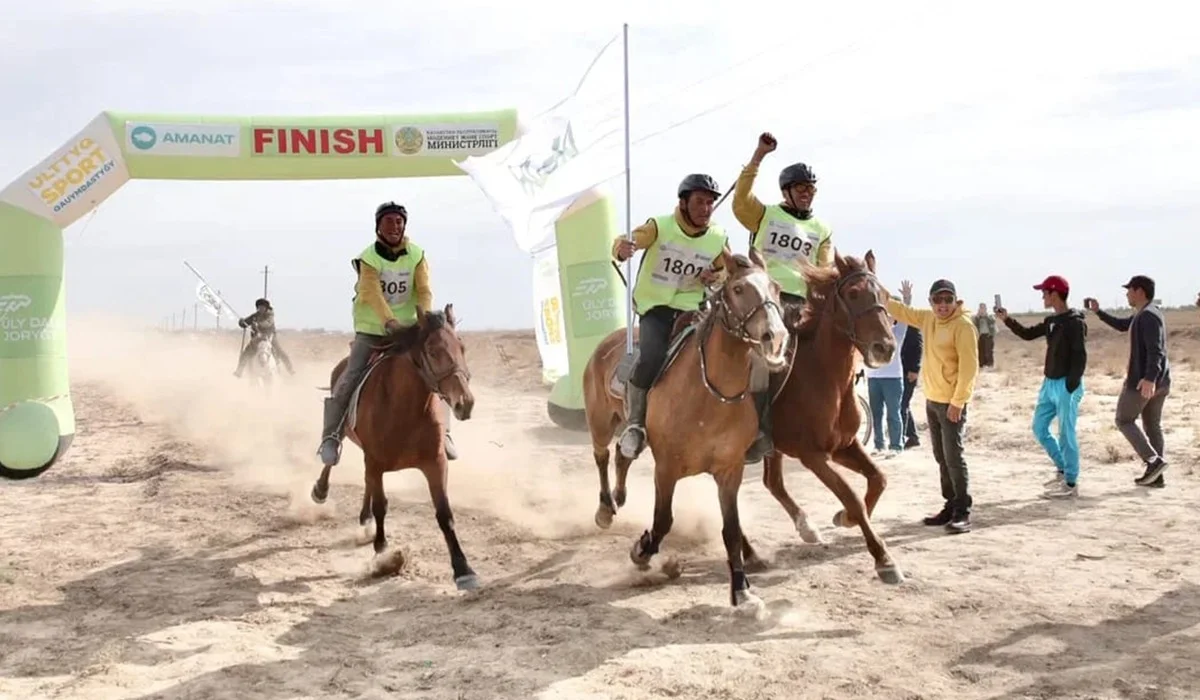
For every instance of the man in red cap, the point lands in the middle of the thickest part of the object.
(1065, 332)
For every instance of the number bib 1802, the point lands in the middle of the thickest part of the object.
(396, 286)
(789, 242)
(679, 267)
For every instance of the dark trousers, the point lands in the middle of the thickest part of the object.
(947, 441)
(1148, 443)
(906, 416)
(654, 337)
(987, 346)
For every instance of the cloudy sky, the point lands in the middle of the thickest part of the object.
(990, 144)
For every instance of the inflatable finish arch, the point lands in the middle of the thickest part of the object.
(37, 419)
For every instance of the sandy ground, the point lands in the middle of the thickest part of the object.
(175, 554)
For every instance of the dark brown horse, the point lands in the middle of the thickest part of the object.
(700, 419)
(399, 423)
(815, 413)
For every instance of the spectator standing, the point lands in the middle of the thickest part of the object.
(885, 388)
(910, 361)
(949, 368)
(1062, 389)
(1147, 379)
(985, 326)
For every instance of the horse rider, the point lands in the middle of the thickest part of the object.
(683, 252)
(391, 294)
(260, 322)
(784, 233)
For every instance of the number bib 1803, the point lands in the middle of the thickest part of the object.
(789, 242)
(679, 267)
(396, 286)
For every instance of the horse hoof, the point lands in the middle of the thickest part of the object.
(635, 555)
(604, 517)
(388, 563)
(318, 494)
(807, 533)
(469, 582)
(890, 574)
(840, 519)
(748, 604)
(673, 568)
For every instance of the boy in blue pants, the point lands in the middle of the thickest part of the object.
(1062, 390)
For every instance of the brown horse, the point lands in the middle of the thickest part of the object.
(699, 419)
(816, 416)
(399, 424)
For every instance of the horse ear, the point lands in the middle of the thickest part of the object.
(757, 258)
(870, 260)
(450, 315)
(839, 260)
(728, 261)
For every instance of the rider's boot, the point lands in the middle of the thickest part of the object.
(633, 439)
(331, 433)
(451, 450)
(763, 444)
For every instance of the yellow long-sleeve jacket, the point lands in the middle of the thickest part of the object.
(371, 294)
(950, 358)
(645, 235)
(749, 211)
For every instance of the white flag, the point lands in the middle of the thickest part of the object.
(577, 145)
(211, 301)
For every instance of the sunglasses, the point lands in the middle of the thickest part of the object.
(943, 299)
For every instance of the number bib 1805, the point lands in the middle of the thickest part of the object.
(789, 242)
(396, 286)
(679, 267)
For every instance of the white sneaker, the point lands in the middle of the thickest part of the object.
(1058, 479)
(1062, 491)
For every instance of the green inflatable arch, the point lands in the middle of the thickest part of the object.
(37, 419)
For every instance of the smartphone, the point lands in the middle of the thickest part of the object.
(998, 304)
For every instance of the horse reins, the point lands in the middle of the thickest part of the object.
(432, 382)
(851, 315)
(720, 303)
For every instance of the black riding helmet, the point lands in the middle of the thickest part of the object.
(698, 181)
(796, 174)
(262, 302)
(389, 208)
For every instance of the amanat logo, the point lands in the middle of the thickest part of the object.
(317, 141)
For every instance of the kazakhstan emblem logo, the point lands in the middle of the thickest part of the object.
(409, 140)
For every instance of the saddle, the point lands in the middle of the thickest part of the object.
(685, 324)
(395, 344)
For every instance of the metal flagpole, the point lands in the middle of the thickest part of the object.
(628, 208)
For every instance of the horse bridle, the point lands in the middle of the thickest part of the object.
(423, 362)
(719, 302)
(851, 315)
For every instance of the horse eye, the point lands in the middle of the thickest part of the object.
(738, 289)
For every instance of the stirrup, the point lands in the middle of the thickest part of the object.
(635, 432)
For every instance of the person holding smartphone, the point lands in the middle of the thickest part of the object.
(1148, 378)
(1065, 332)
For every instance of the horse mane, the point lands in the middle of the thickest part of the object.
(822, 280)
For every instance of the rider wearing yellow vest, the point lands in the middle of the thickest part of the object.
(391, 293)
(785, 233)
(683, 253)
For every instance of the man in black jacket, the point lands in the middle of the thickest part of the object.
(1065, 332)
(1148, 378)
(910, 362)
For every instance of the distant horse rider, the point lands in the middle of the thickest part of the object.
(261, 322)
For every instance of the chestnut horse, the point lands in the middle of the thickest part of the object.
(399, 423)
(815, 412)
(699, 419)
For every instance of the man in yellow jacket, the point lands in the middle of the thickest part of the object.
(949, 367)
(786, 233)
(392, 292)
(683, 253)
